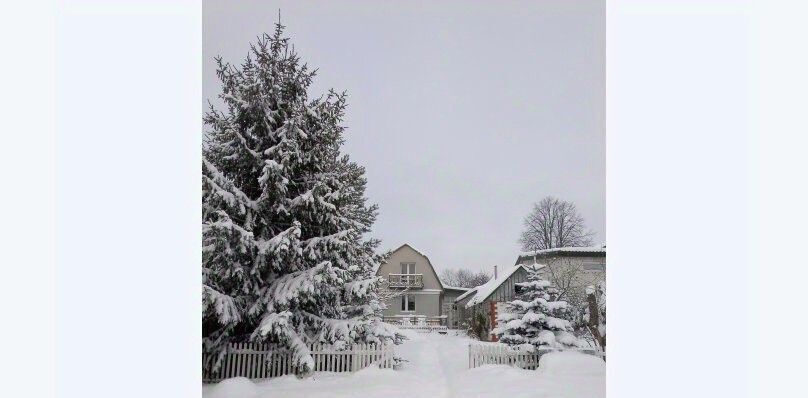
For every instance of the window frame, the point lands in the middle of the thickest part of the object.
(405, 268)
(405, 303)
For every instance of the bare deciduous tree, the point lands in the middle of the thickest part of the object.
(573, 285)
(462, 277)
(571, 280)
(554, 223)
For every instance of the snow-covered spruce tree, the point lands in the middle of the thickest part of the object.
(534, 319)
(284, 215)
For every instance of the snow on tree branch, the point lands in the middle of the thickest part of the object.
(535, 318)
(286, 255)
(223, 305)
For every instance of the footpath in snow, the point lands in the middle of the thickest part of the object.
(437, 367)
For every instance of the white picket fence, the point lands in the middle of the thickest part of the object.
(264, 361)
(419, 323)
(424, 328)
(501, 354)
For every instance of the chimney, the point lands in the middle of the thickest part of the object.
(495, 272)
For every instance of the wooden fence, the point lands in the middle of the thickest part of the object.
(264, 361)
(420, 320)
(425, 328)
(419, 323)
(501, 354)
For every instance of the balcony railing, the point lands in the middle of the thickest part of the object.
(406, 280)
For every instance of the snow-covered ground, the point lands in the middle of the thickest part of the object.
(437, 367)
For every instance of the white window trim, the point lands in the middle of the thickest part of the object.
(408, 264)
(406, 298)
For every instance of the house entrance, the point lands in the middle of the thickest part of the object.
(451, 315)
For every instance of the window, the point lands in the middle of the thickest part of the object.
(408, 303)
(593, 267)
(407, 268)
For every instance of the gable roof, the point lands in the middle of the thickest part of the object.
(431, 267)
(487, 289)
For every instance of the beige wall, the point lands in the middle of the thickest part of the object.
(428, 299)
(590, 271)
(406, 254)
(450, 295)
(593, 268)
(426, 303)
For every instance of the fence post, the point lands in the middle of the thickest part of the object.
(355, 355)
(378, 355)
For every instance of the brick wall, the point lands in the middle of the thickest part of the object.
(492, 317)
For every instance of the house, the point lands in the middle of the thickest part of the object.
(571, 269)
(450, 294)
(594, 258)
(574, 267)
(487, 297)
(414, 293)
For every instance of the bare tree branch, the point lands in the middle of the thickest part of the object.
(386, 293)
(462, 277)
(554, 223)
(571, 280)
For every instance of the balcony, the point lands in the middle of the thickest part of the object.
(411, 281)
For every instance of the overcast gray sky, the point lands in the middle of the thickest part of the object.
(464, 113)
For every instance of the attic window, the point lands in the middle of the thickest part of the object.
(593, 267)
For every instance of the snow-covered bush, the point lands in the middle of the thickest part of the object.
(478, 326)
(534, 319)
(284, 215)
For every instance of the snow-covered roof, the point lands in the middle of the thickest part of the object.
(466, 294)
(485, 290)
(445, 286)
(565, 250)
(588, 249)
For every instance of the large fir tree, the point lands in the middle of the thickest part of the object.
(284, 215)
(535, 319)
